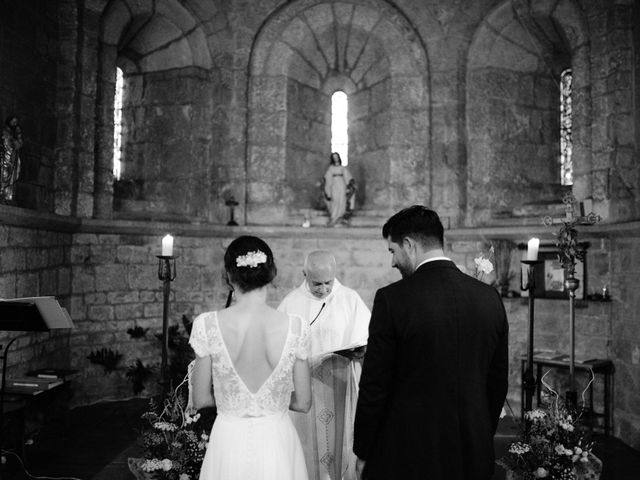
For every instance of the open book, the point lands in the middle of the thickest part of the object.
(341, 349)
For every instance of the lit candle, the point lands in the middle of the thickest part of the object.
(167, 246)
(532, 249)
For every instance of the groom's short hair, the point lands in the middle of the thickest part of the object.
(418, 222)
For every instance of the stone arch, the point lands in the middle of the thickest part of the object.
(512, 108)
(162, 47)
(303, 53)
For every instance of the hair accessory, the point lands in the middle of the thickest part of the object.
(251, 259)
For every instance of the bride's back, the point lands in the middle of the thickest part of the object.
(255, 339)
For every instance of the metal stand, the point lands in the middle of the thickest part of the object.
(2, 391)
(166, 273)
(232, 204)
(572, 284)
(529, 380)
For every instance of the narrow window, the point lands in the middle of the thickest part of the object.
(566, 145)
(117, 125)
(339, 126)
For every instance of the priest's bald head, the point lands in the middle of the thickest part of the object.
(320, 272)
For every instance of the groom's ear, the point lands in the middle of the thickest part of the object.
(408, 243)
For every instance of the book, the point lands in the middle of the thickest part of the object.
(52, 373)
(34, 383)
(341, 349)
(22, 390)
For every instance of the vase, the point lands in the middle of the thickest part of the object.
(134, 468)
(590, 471)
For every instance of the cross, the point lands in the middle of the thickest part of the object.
(569, 251)
(570, 217)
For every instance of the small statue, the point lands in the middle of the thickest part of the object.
(339, 189)
(10, 159)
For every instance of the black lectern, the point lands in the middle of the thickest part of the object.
(31, 314)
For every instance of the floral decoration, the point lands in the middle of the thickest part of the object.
(484, 264)
(569, 249)
(251, 259)
(175, 440)
(551, 446)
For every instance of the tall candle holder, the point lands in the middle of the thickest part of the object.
(232, 203)
(529, 380)
(166, 274)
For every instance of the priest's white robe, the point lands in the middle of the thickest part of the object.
(326, 432)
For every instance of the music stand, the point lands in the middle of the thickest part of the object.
(31, 314)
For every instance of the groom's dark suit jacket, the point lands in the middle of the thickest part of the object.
(434, 378)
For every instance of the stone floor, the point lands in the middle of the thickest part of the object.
(97, 440)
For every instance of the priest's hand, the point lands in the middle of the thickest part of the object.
(359, 468)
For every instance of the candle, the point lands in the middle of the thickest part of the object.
(532, 249)
(167, 246)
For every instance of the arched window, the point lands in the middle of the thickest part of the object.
(566, 145)
(117, 125)
(340, 125)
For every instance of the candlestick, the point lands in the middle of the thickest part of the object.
(166, 273)
(167, 246)
(529, 380)
(532, 249)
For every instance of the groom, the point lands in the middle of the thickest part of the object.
(435, 372)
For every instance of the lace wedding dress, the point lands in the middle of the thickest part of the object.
(253, 437)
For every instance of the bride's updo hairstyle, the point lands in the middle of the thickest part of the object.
(249, 263)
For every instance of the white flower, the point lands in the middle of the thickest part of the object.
(189, 419)
(584, 459)
(535, 415)
(560, 449)
(184, 476)
(566, 426)
(541, 472)
(578, 450)
(165, 426)
(166, 464)
(483, 265)
(251, 259)
(519, 448)
(151, 465)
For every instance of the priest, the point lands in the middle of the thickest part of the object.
(339, 323)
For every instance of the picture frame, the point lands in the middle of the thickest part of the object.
(550, 275)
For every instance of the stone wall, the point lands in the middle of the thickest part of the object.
(308, 132)
(28, 54)
(34, 262)
(625, 335)
(168, 139)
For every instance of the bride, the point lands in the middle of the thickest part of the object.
(251, 362)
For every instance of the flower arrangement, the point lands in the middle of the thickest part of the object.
(174, 439)
(551, 446)
(484, 264)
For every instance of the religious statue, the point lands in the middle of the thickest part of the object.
(10, 159)
(339, 189)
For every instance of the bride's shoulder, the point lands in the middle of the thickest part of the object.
(204, 320)
(298, 325)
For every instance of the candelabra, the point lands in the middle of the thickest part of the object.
(529, 380)
(232, 203)
(166, 274)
